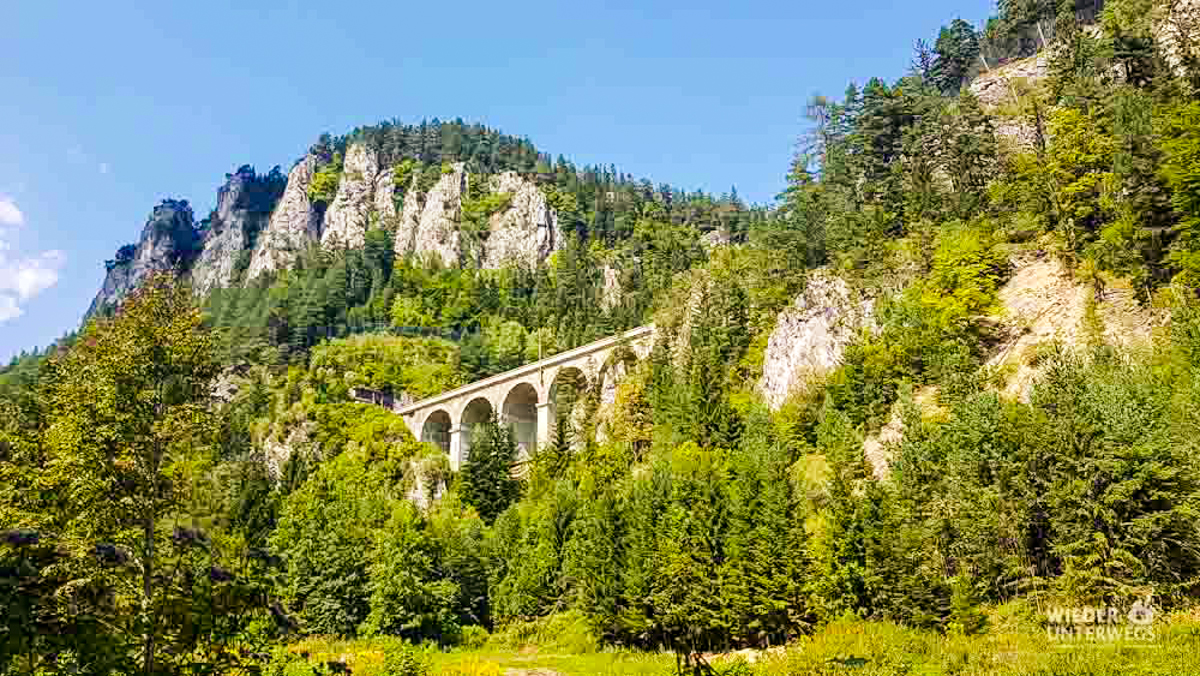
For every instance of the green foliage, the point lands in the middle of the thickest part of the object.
(402, 175)
(324, 185)
(475, 217)
(406, 662)
(701, 522)
(1180, 144)
(324, 535)
(487, 482)
(529, 545)
(119, 569)
(421, 367)
(957, 48)
(929, 334)
(410, 596)
(1080, 165)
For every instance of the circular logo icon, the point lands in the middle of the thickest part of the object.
(1141, 613)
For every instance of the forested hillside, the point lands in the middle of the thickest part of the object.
(965, 441)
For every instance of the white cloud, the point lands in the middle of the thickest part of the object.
(23, 277)
(9, 309)
(26, 278)
(9, 213)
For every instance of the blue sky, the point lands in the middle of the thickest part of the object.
(110, 107)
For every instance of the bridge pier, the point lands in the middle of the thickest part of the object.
(456, 448)
(543, 424)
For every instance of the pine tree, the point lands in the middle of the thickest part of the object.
(488, 484)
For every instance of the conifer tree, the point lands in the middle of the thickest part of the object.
(488, 484)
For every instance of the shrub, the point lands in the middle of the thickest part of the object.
(406, 661)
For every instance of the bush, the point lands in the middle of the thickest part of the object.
(324, 186)
(421, 367)
(406, 661)
(473, 636)
(567, 631)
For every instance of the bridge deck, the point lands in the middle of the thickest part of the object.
(523, 371)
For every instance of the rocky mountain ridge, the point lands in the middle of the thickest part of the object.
(263, 223)
(168, 244)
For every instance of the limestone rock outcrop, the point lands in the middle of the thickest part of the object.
(409, 220)
(810, 337)
(610, 295)
(715, 238)
(169, 243)
(995, 87)
(294, 224)
(385, 192)
(999, 86)
(1043, 303)
(349, 215)
(436, 230)
(430, 224)
(1177, 33)
(244, 206)
(527, 232)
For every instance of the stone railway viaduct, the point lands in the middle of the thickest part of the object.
(524, 398)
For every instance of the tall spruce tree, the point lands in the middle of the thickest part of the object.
(488, 484)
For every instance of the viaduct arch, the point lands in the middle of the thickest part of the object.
(525, 399)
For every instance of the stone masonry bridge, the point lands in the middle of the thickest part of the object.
(526, 398)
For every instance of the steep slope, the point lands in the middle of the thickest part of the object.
(463, 194)
(294, 223)
(169, 242)
(1044, 304)
(527, 232)
(810, 336)
(244, 205)
(350, 214)
(429, 223)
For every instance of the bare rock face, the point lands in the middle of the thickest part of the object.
(1043, 303)
(385, 191)
(527, 232)
(293, 224)
(436, 232)
(810, 337)
(169, 243)
(409, 220)
(244, 206)
(1177, 33)
(715, 238)
(994, 87)
(349, 215)
(610, 296)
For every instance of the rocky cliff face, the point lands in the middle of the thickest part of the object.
(1177, 33)
(409, 219)
(810, 336)
(350, 214)
(169, 242)
(293, 225)
(999, 86)
(262, 223)
(527, 232)
(429, 223)
(244, 205)
(610, 296)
